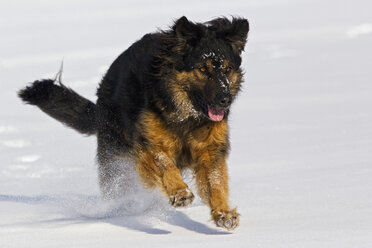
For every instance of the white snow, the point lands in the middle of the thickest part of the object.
(29, 158)
(19, 143)
(6, 129)
(301, 160)
(359, 30)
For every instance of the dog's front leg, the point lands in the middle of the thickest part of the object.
(158, 170)
(212, 181)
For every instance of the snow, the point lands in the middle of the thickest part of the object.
(300, 166)
(358, 30)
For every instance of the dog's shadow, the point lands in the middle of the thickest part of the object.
(136, 223)
(176, 219)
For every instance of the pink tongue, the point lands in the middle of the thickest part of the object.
(215, 114)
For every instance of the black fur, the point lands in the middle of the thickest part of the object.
(63, 104)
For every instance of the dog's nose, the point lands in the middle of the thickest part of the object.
(225, 100)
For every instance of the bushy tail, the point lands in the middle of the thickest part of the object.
(62, 104)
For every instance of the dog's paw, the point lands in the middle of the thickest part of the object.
(182, 198)
(226, 219)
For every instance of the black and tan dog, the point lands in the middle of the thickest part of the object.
(164, 103)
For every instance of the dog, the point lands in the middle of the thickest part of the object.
(164, 103)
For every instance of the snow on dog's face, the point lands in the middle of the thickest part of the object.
(208, 73)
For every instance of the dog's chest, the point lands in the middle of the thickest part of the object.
(201, 143)
(184, 147)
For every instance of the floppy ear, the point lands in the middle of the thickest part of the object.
(188, 33)
(235, 32)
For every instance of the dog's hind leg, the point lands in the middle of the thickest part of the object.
(106, 174)
(116, 174)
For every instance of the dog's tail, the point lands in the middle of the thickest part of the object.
(62, 104)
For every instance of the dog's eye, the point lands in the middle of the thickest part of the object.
(203, 69)
(228, 69)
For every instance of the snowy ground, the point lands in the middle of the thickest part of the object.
(301, 161)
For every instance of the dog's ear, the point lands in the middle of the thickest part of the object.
(235, 31)
(238, 34)
(187, 33)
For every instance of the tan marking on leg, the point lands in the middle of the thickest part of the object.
(156, 162)
(211, 172)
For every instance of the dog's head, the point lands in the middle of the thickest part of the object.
(207, 65)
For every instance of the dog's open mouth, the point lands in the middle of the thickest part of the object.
(215, 114)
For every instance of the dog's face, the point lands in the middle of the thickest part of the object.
(208, 70)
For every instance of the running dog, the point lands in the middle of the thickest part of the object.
(164, 103)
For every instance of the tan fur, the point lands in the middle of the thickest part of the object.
(235, 78)
(200, 76)
(225, 63)
(154, 163)
(195, 77)
(209, 65)
(157, 163)
(178, 86)
(209, 164)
